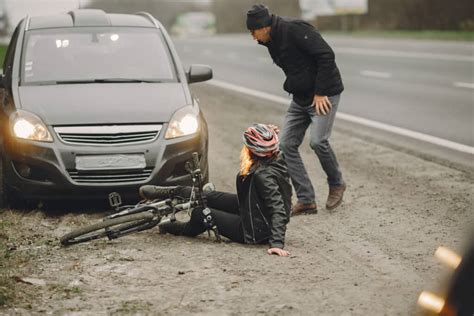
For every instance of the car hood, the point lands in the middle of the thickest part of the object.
(84, 104)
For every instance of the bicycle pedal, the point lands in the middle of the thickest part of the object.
(115, 200)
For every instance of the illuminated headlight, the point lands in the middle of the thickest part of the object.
(27, 125)
(184, 122)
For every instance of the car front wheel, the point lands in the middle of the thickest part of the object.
(3, 189)
(8, 198)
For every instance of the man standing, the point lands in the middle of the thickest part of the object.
(313, 79)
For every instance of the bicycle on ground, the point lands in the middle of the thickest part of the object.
(145, 215)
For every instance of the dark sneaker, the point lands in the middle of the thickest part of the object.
(153, 192)
(173, 228)
(335, 196)
(304, 208)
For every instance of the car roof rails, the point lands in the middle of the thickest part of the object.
(89, 17)
(27, 22)
(149, 17)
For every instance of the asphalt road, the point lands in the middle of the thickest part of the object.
(419, 85)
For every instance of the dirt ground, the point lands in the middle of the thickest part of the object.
(371, 256)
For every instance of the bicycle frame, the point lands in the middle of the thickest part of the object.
(146, 214)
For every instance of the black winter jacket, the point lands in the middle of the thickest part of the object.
(265, 202)
(306, 59)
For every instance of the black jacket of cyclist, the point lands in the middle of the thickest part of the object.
(260, 210)
(265, 201)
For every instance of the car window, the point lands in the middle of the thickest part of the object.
(83, 54)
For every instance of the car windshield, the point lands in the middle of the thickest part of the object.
(89, 55)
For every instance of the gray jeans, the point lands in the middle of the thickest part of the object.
(297, 120)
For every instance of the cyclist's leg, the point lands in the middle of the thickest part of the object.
(229, 225)
(223, 201)
(226, 202)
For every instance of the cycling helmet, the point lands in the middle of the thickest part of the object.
(261, 140)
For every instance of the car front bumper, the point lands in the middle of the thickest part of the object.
(36, 170)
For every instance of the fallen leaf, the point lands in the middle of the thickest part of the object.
(32, 281)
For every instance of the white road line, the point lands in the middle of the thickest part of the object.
(264, 60)
(352, 118)
(394, 53)
(248, 91)
(464, 85)
(376, 74)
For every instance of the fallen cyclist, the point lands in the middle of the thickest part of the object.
(260, 210)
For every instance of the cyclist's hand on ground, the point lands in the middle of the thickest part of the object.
(275, 128)
(322, 104)
(278, 251)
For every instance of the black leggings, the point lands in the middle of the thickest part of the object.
(225, 211)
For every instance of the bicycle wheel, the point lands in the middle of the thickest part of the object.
(102, 229)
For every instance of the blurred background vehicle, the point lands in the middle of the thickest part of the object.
(194, 24)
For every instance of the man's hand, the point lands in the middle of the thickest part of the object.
(322, 104)
(274, 127)
(279, 252)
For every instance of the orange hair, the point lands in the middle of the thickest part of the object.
(246, 161)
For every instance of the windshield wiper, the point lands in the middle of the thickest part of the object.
(74, 81)
(127, 80)
(108, 80)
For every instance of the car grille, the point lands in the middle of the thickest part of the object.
(108, 135)
(109, 177)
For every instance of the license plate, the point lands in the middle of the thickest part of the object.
(110, 162)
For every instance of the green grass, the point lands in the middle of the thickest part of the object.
(3, 52)
(433, 35)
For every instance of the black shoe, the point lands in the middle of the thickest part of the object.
(153, 192)
(173, 228)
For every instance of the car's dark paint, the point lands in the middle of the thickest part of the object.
(93, 104)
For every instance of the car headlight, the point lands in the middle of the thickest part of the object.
(184, 122)
(27, 125)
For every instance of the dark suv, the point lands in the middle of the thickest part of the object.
(93, 103)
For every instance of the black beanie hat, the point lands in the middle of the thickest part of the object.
(258, 17)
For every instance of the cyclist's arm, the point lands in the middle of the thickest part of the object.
(267, 186)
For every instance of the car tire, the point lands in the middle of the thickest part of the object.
(2, 194)
(3, 188)
(8, 198)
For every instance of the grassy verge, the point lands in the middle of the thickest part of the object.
(3, 52)
(432, 35)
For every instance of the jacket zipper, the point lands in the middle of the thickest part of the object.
(263, 216)
(250, 209)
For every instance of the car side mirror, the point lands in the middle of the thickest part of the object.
(199, 73)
